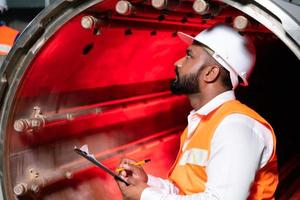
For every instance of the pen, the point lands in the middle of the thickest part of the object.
(139, 163)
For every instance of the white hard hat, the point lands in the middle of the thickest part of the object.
(233, 51)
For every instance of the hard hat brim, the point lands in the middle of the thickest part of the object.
(186, 38)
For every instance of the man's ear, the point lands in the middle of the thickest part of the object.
(211, 73)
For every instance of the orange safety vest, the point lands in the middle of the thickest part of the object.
(192, 178)
(7, 39)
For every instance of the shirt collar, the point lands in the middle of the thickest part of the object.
(214, 103)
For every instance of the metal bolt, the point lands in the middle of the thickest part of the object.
(68, 175)
(240, 22)
(3, 79)
(21, 125)
(98, 110)
(124, 7)
(159, 4)
(201, 7)
(88, 22)
(20, 189)
(70, 116)
(35, 188)
(36, 111)
(35, 123)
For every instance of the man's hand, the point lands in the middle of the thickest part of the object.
(135, 176)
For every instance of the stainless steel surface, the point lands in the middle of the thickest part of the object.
(290, 8)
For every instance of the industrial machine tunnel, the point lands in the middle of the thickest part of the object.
(84, 72)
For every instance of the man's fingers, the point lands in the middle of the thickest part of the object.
(137, 172)
(129, 180)
(123, 173)
(132, 181)
(132, 168)
(121, 185)
(127, 161)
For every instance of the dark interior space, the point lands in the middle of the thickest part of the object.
(273, 92)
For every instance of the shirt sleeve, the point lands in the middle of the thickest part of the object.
(163, 185)
(237, 150)
(236, 154)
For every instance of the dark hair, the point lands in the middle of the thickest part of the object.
(225, 78)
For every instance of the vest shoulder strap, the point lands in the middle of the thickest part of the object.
(206, 129)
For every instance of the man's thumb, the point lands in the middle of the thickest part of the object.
(134, 169)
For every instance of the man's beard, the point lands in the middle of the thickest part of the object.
(187, 84)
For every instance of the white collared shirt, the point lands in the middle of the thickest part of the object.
(239, 147)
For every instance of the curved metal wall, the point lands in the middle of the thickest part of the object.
(64, 85)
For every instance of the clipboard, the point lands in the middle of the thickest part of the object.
(84, 152)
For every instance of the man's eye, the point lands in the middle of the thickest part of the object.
(188, 56)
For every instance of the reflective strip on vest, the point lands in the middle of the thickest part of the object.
(4, 48)
(194, 156)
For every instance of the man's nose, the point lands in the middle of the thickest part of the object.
(179, 63)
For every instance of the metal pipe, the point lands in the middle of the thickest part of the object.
(38, 121)
(38, 180)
